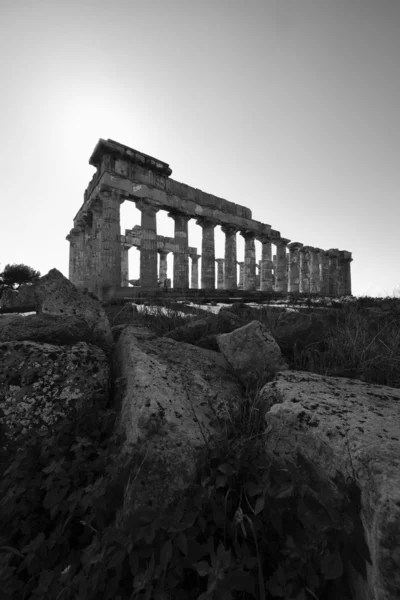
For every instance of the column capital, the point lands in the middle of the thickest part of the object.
(219, 260)
(295, 246)
(204, 222)
(264, 239)
(239, 263)
(163, 252)
(147, 206)
(248, 235)
(195, 256)
(229, 229)
(307, 249)
(179, 214)
(281, 242)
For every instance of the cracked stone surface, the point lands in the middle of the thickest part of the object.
(351, 427)
(41, 384)
(252, 352)
(171, 397)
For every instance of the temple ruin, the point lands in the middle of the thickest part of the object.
(99, 253)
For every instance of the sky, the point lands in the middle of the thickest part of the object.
(289, 107)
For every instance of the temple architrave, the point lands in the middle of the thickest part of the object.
(99, 253)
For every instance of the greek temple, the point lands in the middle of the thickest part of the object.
(99, 253)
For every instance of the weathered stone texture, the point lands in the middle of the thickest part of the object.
(230, 275)
(53, 329)
(171, 393)
(148, 246)
(40, 384)
(55, 295)
(249, 273)
(305, 258)
(207, 255)
(252, 352)
(347, 427)
(266, 265)
(281, 266)
(220, 273)
(181, 255)
(294, 267)
(194, 279)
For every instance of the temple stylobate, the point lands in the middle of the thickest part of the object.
(99, 253)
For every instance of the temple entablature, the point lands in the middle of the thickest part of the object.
(99, 253)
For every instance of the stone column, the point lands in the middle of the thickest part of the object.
(315, 283)
(148, 244)
(347, 272)
(181, 256)
(95, 285)
(323, 272)
(110, 240)
(305, 259)
(249, 279)
(294, 267)
(207, 254)
(125, 265)
(281, 265)
(194, 280)
(266, 265)
(230, 273)
(220, 273)
(333, 254)
(163, 273)
(258, 275)
(75, 238)
(241, 274)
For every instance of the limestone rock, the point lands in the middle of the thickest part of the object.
(42, 383)
(170, 394)
(56, 295)
(252, 352)
(352, 428)
(203, 332)
(53, 329)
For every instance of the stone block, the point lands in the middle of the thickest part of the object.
(171, 395)
(56, 295)
(253, 353)
(41, 384)
(346, 431)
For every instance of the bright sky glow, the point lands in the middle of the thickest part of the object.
(290, 107)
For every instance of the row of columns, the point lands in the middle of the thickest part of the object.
(97, 257)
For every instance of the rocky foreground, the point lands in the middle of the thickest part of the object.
(173, 392)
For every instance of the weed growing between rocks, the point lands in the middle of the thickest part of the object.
(248, 528)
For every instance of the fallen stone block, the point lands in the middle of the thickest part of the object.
(53, 329)
(253, 353)
(41, 384)
(204, 331)
(56, 295)
(172, 397)
(347, 428)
